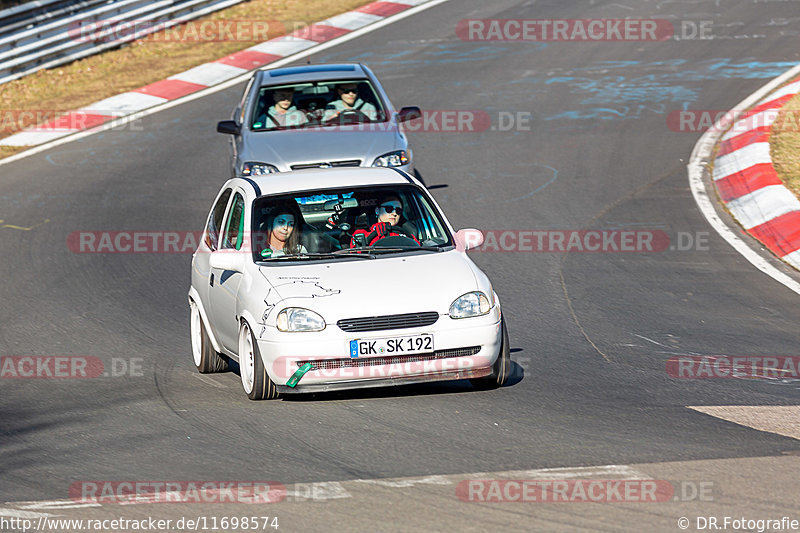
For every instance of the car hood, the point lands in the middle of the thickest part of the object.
(383, 286)
(315, 145)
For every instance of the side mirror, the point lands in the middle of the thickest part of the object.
(409, 113)
(227, 260)
(228, 126)
(467, 239)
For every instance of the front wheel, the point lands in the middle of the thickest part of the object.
(255, 381)
(501, 370)
(206, 358)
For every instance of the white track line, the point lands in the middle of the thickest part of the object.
(701, 156)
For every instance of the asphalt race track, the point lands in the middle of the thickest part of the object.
(590, 332)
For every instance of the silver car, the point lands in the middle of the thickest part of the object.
(316, 116)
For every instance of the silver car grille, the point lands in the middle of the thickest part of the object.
(333, 364)
(377, 323)
(328, 164)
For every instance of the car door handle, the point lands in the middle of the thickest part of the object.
(211, 279)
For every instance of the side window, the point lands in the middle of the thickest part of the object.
(215, 220)
(234, 227)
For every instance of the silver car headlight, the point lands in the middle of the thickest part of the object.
(392, 159)
(470, 304)
(253, 168)
(299, 319)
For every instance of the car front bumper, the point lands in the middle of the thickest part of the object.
(465, 348)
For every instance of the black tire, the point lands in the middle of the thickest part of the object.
(263, 387)
(206, 359)
(501, 370)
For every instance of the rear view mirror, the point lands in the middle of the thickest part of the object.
(347, 203)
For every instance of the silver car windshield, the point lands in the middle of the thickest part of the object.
(316, 104)
(332, 224)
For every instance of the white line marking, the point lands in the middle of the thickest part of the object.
(403, 483)
(129, 102)
(615, 471)
(16, 513)
(34, 137)
(55, 504)
(283, 47)
(328, 490)
(230, 83)
(351, 20)
(701, 156)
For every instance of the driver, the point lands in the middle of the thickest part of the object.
(389, 212)
(349, 101)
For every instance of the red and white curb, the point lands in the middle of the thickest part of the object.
(95, 115)
(703, 156)
(748, 184)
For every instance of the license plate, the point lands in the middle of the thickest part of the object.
(405, 345)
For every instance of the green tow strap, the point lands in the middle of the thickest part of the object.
(295, 379)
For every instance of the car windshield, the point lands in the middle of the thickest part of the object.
(332, 224)
(316, 104)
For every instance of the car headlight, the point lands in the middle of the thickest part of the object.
(252, 168)
(392, 159)
(471, 304)
(299, 319)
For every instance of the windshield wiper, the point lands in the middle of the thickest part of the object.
(378, 250)
(309, 256)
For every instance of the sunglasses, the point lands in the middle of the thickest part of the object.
(392, 209)
(349, 90)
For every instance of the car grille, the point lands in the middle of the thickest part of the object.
(326, 164)
(333, 364)
(377, 323)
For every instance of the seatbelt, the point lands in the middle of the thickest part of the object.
(273, 119)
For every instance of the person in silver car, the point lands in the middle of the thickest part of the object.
(283, 113)
(349, 102)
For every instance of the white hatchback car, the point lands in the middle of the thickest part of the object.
(323, 280)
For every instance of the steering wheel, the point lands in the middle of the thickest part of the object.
(403, 239)
(349, 116)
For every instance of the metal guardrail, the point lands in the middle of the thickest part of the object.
(47, 33)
